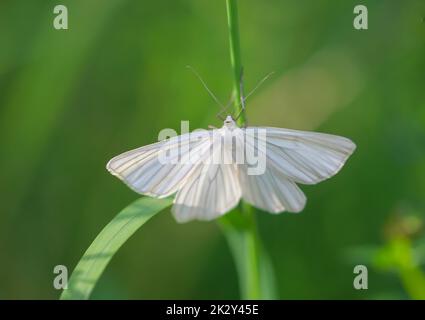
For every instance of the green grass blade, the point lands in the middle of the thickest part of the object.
(256, 278)
(90, 267)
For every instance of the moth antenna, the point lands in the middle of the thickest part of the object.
(226, 107)
(259, 84)
(205, 86)
(220, 117)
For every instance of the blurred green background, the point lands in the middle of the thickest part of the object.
(72, 99)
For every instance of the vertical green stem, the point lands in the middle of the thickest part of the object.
(242, 232)
(235, 56)
(253, 281)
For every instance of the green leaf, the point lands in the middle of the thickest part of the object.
(90, 267)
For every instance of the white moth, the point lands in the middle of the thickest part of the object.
(207, 186)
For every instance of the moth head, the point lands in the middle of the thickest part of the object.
(229, 122)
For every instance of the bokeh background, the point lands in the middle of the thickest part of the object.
(70, 100)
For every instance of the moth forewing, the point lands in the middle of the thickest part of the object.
(255, 150)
